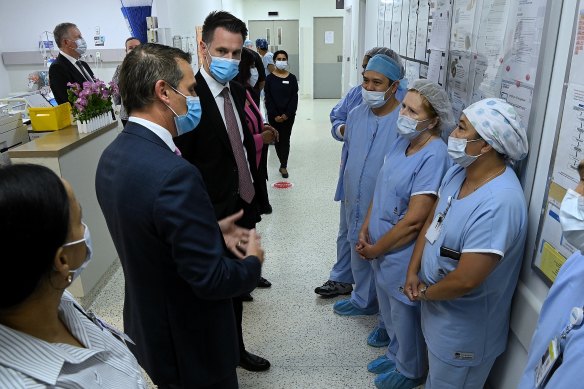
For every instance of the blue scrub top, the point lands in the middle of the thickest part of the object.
(473, 328)
(400, 178)
(566, 293)
(368, 138)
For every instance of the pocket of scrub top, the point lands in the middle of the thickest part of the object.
(395, 209)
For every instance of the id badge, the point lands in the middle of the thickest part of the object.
(434, 230)
(546, 364)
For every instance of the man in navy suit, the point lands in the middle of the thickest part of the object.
(179, 283)
(68, 67)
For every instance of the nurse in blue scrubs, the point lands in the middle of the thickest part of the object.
(405, 193)
(369, 134)
(560, 320)
(467, 259)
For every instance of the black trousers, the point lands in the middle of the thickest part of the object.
(283, 145)
(229, 382)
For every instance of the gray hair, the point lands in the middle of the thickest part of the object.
(62, 32)
(143, 67)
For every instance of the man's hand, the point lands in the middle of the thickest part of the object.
(366, 250)
(268, 137)
(236, 238)
(254, 246)
(267, 127)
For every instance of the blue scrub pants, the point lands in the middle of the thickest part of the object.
(445, 376)
(364, 295)
(341, 271)
(407, 347)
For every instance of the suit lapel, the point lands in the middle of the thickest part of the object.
(143, 132)
(73, 69)
(209, 107)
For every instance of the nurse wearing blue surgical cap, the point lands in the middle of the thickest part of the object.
(369, 134)
(560, 321)
(466, 260)
(405, 193)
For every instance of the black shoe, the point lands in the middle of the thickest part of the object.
(251, 362)
(334, 288)
(266, 209)
(246, 297)
(284, 172)
(263, 283)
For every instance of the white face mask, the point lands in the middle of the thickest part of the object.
(572, 219)
(81, 46)
(281, 64)
(407, 127)
(374, 99)
(88, 243)
(255, 75)
(457, 151)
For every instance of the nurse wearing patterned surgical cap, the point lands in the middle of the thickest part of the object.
(467, 259)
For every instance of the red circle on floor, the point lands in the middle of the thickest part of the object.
(282, 185)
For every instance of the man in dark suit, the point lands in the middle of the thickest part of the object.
(179, 284)
(68, 67)
(221, 146)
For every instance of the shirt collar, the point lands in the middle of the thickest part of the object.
(160, 131)
(215, 86)
(42, 360)
(70, 58)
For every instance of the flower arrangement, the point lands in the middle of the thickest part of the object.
(91, 99)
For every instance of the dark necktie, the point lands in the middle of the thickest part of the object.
(84, 72)
(246, 189)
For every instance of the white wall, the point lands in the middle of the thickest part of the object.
(258, 10)
(4, 79)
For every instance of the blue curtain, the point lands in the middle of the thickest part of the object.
(137, 19)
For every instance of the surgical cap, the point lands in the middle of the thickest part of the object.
(387, 66)
(499, 125)
(391, 54)
(262, 43)
(438, 99)
(247, 43)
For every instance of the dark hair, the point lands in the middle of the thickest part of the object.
(222, 19)
(245, 65)
(131, 39)
(61, 32)
(34, 224)
(143, 67)
(280, 52)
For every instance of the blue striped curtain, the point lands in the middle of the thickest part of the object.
(136, 17)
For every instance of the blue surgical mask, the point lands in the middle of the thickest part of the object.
(81, 46)
(254, 77)
(457, 151)
(406, 126)
(373, 98)
(223, 69)
(187, 122)
(89, 244)
(281, 64)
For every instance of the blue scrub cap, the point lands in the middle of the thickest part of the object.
(499, 125)
(389, 67)
(247, 43)
(262, 43)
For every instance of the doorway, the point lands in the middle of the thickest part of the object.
(328, 57)
(281, 35)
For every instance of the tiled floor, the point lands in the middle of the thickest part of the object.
(308, 345)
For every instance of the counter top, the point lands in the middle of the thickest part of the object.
(57, 143)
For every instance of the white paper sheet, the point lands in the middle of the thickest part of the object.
(463, 21)
(422, 31)
(458, 80)
(578, 53)
(440, 34)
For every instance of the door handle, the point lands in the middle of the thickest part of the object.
(339, 58)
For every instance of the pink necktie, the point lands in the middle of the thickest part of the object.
(177, 152)
(246, 189)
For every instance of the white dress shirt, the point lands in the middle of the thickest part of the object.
(105, 362)
(74, 62)
(216, 89)
(160, 131)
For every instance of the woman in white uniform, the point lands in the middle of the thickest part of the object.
(46, 339)
(405, 193)
(559, 327)
(466, 260)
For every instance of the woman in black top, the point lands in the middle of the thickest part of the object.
(281, 93)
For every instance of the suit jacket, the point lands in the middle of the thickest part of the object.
(63, 71)
(208, 148)
(179, 284)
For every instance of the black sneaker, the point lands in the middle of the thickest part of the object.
(334, 288)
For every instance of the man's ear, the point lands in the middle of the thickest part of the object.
(161, 90)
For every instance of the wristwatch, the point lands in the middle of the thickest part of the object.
(423, 293)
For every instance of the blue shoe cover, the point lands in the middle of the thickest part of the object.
(381, 365)
(378, 337)
(346, 308)
(395, 380)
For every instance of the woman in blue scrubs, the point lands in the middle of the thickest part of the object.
(405, 193)
(562, 312)
(369, 134)
(466, 260)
